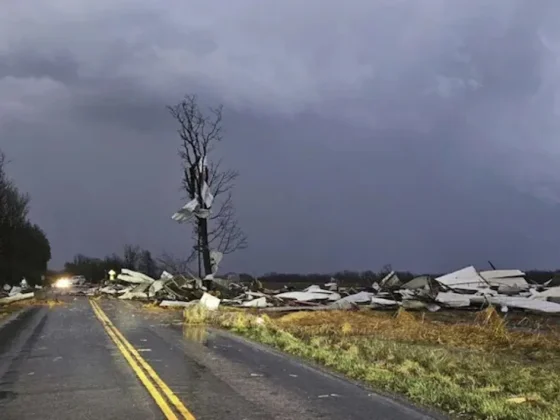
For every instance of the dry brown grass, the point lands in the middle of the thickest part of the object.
(16, 306)
(154, 307)
(477, 369)
(486, 331)
(473, 368)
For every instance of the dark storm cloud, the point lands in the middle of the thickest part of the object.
(420, 133)
(30, 64)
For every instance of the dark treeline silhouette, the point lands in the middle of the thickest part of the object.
(24, 247)
(138, 259)
(349, 278)
(366, 278)
(96, 269)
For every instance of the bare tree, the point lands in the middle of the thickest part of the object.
(215, 224)
(147, 265)
(132, 255)
(173, 264)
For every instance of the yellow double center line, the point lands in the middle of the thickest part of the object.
(149, 378)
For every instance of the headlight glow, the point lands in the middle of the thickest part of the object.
(62, 283)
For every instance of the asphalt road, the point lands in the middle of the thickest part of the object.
(69, 362)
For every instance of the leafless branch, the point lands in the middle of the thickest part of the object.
(173, 265)
(199, 133)
(132, 256)
(225, 235)
(221, 180)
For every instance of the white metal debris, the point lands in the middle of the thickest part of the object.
(109, 290)
(130, 276)
(209, 302)
(255, 303)
(166, 276)
(390, 281)
(553, 292)
(360, 297)
(215, 260)
(375, 301)
(454, 300)
(310, 296)
(197, 206)
(155, 287)
(138, 292)
(509, 278)
(519, 302)
(419, 304)
(507, 289)
(16, 298)
(189, 210)
(9, 294)
(178, 303)
(466, 278)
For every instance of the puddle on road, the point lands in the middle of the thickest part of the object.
(195, 333)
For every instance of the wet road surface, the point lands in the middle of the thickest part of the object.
(69, 362)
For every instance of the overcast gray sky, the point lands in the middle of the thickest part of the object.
(421, 133)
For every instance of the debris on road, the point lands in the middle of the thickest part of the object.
(16, 298)
(463, 289)
(209, 302)
(10, 294)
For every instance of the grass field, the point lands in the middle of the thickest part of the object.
(471, 365)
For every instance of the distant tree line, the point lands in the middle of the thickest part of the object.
(138, 259)
(366, 278)
(24, 247)
(345, 278)
(133, 258)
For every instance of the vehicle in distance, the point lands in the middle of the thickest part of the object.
(68, 282)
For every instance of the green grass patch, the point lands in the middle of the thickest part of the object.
(196, 315)
(476, 370)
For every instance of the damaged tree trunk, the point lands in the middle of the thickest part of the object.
(208, 186)
(204, 246)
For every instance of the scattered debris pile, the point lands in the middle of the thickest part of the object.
(10, 294)
(169, 290)
(463, 289)
(468, 288)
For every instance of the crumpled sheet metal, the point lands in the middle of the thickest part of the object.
(134, 285)
(130, 276)
(307, 296)
(178, 303)
(209, 302)
(508, 278)
(255, 303)
(390, 281)
(197, 206)
(466, 278)
(453, 300)
(534, 305)
(16, 298)
(10, 294)
(462, 289)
